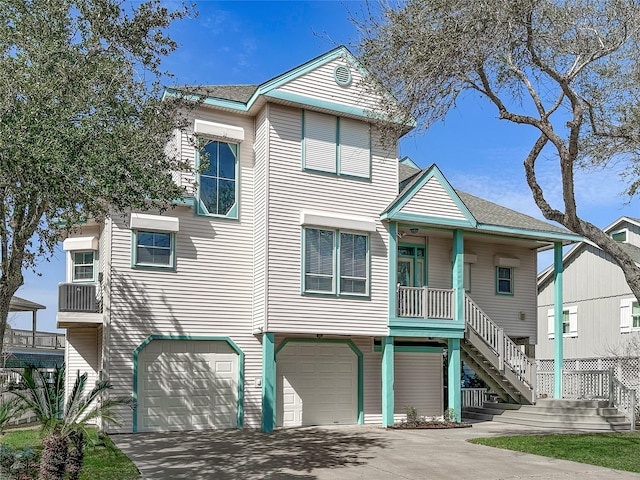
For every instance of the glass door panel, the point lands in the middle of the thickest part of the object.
(405, 272)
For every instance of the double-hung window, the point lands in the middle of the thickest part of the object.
(335, 262)
(83, 266)
(218, 180)
(153, 249)
(569, 322)
(629, 315)
(504, 280)
(337, 145)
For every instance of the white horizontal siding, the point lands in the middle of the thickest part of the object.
(260, 221)
(291, 190)
(595, 284)
(418, 383)
(82, 355)
(209, 294)
(434, 201)
(320, 84)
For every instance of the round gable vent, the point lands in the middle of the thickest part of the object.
(342, 75)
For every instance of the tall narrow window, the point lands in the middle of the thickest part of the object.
(504, 280)
(217, 189)
(353, 263)
(635, 315)
(83, 267)
(319, 246)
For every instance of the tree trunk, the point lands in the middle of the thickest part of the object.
(53, 462)
(76, 455)
(6, 293)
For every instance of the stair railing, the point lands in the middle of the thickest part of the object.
(508, 352)
(623, 398)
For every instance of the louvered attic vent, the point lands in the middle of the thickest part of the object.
(342, 75)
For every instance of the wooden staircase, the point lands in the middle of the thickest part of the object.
(496, 358)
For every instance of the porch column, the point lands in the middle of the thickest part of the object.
(387, 381)
(393, 269)
(457, 277)
(268, 382)
(454, 368)
(558, 356)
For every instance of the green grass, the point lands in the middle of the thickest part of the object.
(612, 450)
(103, 462)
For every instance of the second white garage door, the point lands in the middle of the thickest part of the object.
(317, 384)
(187, 385)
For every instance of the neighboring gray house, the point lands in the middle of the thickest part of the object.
(601, 317)
(310, 278)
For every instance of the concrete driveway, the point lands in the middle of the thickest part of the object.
(345, 453)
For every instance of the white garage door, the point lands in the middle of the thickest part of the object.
(187, 385)
(418, 383)
(317, 384)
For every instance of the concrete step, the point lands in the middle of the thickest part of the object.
(587, 415)
(555, 424)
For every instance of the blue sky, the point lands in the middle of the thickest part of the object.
(239, 42)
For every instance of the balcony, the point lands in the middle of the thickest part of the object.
(79, 303)
(425, 302)
(17, 339)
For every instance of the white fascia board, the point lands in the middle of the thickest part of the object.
(218, 130)
(143, 221)
(75, 244)
(509, 262)
(334, 220)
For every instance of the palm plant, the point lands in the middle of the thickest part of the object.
(65, 425)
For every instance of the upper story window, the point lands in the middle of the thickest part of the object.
(335, 262)
(504, 280)
(153, 249)
(218, 180)
(569, 322)
(629, 315)
(337, 145)
(83, 266)
(619, 236)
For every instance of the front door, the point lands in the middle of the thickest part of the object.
(411, 266)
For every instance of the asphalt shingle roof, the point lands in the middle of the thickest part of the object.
(235, 93)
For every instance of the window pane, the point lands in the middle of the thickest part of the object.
(226, 196)
(319, 246)
(209, 159)
(153, 248)
(504, 286)
(209, 194)
(566, 325)
(505, 282)
(406, 251)
(353, 263)
(227, 162)
(83, 272)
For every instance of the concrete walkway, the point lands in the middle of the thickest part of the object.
(345, 453)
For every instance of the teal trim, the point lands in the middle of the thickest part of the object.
(457, 278)
(408, 349)
(325, 105)
(268, 383)
(267, 88)
(393, 269)
(165, 268)
(150, 338)
(388, 396)
(400, 331)
(407, 161)
(453, 387)
(419, 219)
(432, 172)
(558, 354)
(536, 234)
(415, 257)
(424, 323)
(353, 348)
(513, 289)
(185, 201)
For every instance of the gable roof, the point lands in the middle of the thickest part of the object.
(631, 250)
(480, 214)
(17, 304)
(242, 98)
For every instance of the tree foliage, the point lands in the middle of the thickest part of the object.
(570, 70)
(83, 128)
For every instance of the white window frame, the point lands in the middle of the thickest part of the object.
(74, 265)
(572, 311)
(626, 315)
(622, 230)
(336, 275)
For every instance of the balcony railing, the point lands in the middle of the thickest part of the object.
(78, 297)
(25, 338)
(425, 302)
